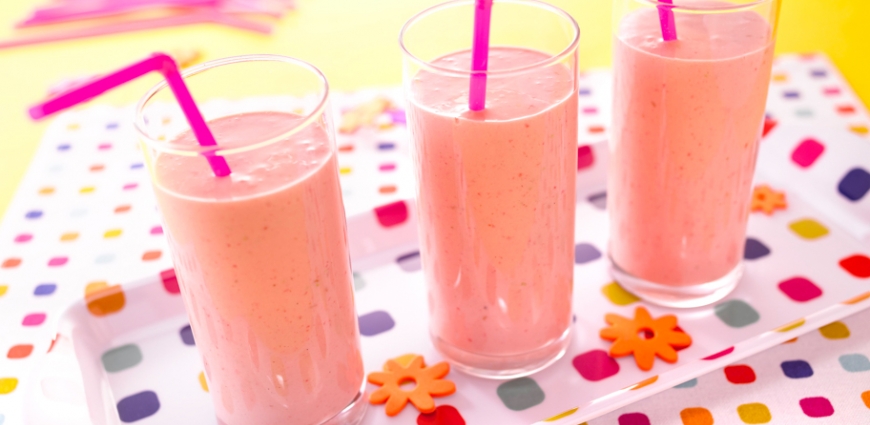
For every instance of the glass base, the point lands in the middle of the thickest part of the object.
(504, 367)
(678, 296)
(350, 415)
(353, 413)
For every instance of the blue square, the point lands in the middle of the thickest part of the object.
(44, 289)
(855, 362)
(855, 184)
(797, 369)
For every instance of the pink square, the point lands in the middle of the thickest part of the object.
(807, 152)
(57, 261)
(832, 91)
(170, 281)
(130, 186)
(585, 157)
(392, 214)
(104, 146)
(590, 110)
(33, 319)
(595, 365)
(800, 289)
(817, 407)
(24, 237)
(157, 230)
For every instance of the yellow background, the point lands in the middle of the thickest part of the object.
(355, 43)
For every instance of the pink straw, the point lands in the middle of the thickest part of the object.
(197, 17)
(161, 63)
(666, 18)
(479, 55)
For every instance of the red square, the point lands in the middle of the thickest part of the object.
(846, 109)
(769, 124)
(19, 351)
(740, 374)
(857, 265)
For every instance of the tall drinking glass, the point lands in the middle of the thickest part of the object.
(495, 190)
(687, 120)
(261, 255)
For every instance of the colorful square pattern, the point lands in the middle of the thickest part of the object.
(113, 204)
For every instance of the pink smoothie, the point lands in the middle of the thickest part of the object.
(264, 270)
(687, 121)
(496, 203)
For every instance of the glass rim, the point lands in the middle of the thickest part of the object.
(197, 150)
(700, 8)
(570, 49)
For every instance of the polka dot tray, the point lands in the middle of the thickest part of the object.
(85, 275)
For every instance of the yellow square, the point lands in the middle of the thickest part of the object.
(7, 385)
(808, 228)
(836, 330)
(754, 413)
(617, 295)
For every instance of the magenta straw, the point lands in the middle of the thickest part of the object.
(479, 55)
(161, 63)
(666, 18)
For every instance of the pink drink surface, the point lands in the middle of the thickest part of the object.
(264, 271)
(496, 202)
(687, 121)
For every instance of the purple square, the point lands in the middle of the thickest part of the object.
(755, 249)
(187, 335)
(138, 406)
(595, 365)
(584, 253)
(376, 322)
(44, 289)
(800, 289)
(855, 184)
(410, 262)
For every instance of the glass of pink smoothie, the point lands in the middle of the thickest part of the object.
(261, 255)
(687, 120)
(495, 188)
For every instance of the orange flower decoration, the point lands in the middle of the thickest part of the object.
(626, 333)
(428, 380)
(767, 200)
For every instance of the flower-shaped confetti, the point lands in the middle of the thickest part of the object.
(645, 337)
(428, 384)
(363, 115)
(767, 200)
